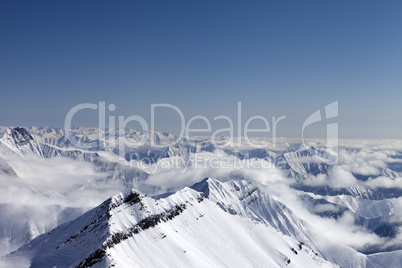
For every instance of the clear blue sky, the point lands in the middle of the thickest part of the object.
(276, 57)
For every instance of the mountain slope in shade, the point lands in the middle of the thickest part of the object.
(22, 223)
(19, 141)
(387, 259)
(6, 169)
(184, 229)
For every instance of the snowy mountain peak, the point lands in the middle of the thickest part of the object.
(19, 141)
(216, 189)
(184, 229)
(21, 135)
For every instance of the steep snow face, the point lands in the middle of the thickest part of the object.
(21, 135)
(246, 199)
(364, 207)
(19, 141)
(386, 172)
(303, 163)
(184, 229)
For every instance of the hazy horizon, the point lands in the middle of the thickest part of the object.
(279, 59)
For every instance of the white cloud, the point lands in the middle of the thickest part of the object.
(58, 180)
(384, 182)
(338, 177)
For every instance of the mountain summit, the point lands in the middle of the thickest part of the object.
(184, 229)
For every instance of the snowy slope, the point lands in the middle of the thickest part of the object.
(246, 199)
(18, 141)
(370, 207)
(22, 223)
(302, 163)
(386, 259)
(184, 229)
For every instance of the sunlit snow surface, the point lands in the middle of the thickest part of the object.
(348, 214)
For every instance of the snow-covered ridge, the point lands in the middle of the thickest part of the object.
(371, 208)
(19, 141)
(186, 228)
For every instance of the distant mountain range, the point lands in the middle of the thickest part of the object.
(228, 221)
